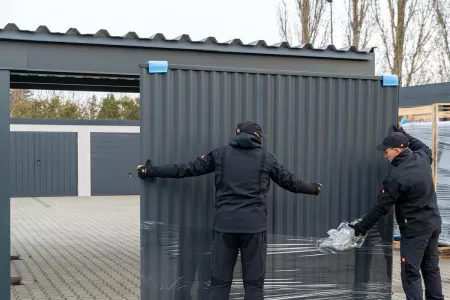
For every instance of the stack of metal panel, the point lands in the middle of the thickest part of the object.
(423, 131)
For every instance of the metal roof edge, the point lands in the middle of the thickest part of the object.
(427, 86)
(267, 71)
(158, 41)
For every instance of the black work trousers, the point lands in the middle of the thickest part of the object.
(225, 250)
(421, 253)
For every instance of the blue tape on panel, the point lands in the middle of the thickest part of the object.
(390, 80)
(158, 67)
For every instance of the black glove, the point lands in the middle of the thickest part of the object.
(143, 170)
(318, 189)
(357, 229)
(395, 128)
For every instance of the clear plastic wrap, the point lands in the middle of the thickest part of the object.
(341, 239)
(297, 267)
(423, 131)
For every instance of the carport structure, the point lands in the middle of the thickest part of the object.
(99, 62)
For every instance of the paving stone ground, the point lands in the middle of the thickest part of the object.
(397, 289)
(88, 248)
(76, 248)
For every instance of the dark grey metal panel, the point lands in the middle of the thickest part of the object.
(425, 94)
(43, 164)
(324, 129)
(183, 42)
(85, 59)
(114, 157)
(5, 190)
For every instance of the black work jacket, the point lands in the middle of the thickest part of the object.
(409, 186)
(243, 170)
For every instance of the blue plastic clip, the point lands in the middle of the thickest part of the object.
(157, 67)
(389, 80)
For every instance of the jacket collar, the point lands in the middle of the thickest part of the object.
(401, 157)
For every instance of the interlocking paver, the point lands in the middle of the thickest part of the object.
(397, 289)
(88, 248)
(76, 248)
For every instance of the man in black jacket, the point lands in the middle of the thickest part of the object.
(243, 170)
(409, 185)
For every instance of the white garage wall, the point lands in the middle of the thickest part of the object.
(84, 145)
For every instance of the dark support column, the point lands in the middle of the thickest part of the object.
(4, 187)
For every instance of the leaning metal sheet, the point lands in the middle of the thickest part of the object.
(316, 126)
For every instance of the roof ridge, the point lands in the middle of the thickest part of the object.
(185, 38)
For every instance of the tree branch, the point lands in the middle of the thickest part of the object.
(383, 33)
(442, 17)
(424, 23)
(283, 22)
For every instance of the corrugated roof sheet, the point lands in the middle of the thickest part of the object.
(43, 34)
(425, 94)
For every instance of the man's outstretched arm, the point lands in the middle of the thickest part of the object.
(387, 197)
(288, 181)
(196, 167)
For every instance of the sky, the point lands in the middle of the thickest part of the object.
(248, 20)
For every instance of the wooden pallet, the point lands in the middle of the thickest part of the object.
(444, 251)
(425, 113)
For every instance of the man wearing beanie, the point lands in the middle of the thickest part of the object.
(243, 170)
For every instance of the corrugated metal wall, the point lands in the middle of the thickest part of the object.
(323, 128)
(114, 157)
(43, 164)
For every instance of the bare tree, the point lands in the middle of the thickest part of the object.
(311, 14)
(284, 28)
(406, 37)
(418, 43)
(324, 38)
(360, 24)
(442, 10)
(310, 24)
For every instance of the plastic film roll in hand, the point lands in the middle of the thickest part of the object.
(341, 239)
